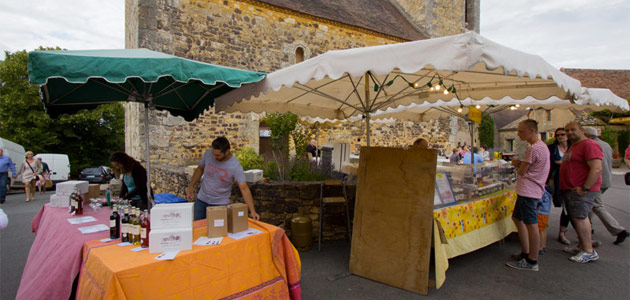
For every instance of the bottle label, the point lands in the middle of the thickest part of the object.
(143, 233)
(112, 223)
(73, 203)
(123, 229)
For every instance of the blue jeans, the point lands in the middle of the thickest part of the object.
(4, 176)
(199, 209)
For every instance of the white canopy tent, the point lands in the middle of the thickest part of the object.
(342, 84)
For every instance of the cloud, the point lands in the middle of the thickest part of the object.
(566, 33)
(75, 25)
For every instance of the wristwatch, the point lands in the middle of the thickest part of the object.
(586, 189)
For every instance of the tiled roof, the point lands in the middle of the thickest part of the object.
(618, 81)
(376, 15)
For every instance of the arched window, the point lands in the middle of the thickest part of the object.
(299, 55)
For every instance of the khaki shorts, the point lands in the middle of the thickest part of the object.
(577, 206)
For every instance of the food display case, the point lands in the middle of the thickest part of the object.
(457, 183)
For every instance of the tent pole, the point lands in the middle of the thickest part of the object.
(147, 157)
(367, 128)
(368, 106)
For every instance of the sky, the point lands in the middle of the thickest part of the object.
(592, 34)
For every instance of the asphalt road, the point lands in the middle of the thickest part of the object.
(477, 275)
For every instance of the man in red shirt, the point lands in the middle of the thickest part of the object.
(580, 182)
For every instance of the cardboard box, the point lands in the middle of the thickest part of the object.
(59, 201)
(217, 221)
(237, 217)
(94, 191)
(67, 187)
(253, 175)
(172, 215)
(173, 239)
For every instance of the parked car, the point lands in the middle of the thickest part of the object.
(100, 174)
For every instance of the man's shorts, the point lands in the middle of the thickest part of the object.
(577, 206)
(525, 210)
(542, 222)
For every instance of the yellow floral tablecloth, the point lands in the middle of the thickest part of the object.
(469, 226)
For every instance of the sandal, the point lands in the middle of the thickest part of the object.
(563, 239)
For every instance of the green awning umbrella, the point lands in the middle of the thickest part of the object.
(74, 80)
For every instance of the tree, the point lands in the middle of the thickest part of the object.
(22, 115)
(88, 137)
(486, 131)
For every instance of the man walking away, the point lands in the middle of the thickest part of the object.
(598, 206)
(5, 165)
(580, 182)
(530, 187)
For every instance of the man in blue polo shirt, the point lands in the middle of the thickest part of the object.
(5, 165)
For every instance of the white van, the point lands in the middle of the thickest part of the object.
(59, 165)
(16, 153)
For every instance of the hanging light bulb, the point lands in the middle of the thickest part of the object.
(512, 107)
(517, 105)
(416, 85)
(432, 89)
(445, 92)
(437, 87)
(477, 106)
(459, 110)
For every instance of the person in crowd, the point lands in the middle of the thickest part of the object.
(43, 176)
(530, 187)
(626, 157)
(599, 209)
(420, 144)
(4, 220)
(6, 164)
(312, 149)
(134, 179)
(469, 156)
(455, 156)
(556, 152)
(483, 152)
(543, 207)
(29, 171)
(580, 183)
(465, 149)
(219, 169)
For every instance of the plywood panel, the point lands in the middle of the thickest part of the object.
(393, 217)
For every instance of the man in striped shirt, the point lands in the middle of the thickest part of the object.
(530, 187)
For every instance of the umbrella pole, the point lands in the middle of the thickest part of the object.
(147, 157)
(367, 128)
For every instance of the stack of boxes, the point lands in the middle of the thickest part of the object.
(61, 198)
(171, 227)
(224, 219)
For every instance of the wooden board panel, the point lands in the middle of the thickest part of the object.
(391, 239)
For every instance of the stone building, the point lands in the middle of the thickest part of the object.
(266, 35)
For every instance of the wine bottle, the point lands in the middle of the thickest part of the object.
(145, 229)
(124, 224)
(114, 224)
(79, 209)
(108, 197)
(136, 227)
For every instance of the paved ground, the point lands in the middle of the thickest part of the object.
(481, 274)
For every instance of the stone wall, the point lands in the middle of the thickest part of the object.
(440, 17)
(276, 203)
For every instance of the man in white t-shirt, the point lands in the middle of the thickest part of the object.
(220, 169)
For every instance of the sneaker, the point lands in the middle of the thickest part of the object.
(596, 244)
(584, 257)
(621, 237)
(542, 251)
(572, 250)
(522, 265)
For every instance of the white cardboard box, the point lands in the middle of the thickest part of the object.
(161, 240)
(172, 215)
(67, 187)
(59, 201)
(253, 175)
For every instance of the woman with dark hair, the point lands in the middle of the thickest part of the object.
(556, 152)
(134, 183)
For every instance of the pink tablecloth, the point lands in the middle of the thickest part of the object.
(56, 254)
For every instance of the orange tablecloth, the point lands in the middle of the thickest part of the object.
(263, 266)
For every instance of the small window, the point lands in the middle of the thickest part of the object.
(299, 55)
(549, 116)
(510, 145)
